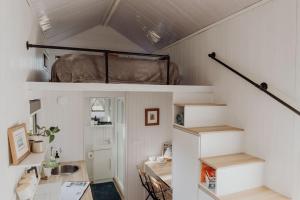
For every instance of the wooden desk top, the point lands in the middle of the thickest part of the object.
(80, 175)
(161, 170)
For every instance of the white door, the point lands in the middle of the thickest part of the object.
(102, 167)
(120, 132)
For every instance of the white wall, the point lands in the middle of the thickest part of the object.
(143, 141)
(101, 37)
(262, 44)
(16, 66)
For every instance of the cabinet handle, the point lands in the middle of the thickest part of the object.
(109, 163)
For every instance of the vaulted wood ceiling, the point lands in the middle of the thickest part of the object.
(152, 24)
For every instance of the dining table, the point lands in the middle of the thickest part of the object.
(160, 170)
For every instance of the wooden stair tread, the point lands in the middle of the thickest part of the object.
(230, 160)
(199, 104)
(207, 129)
(261, 193)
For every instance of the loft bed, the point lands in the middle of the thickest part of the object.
(112, 67)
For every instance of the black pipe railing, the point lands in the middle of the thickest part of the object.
(106, 53)
(263, 86)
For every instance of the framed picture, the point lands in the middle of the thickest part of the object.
(151, 116)
(18, 142)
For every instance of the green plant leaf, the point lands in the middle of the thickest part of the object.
(54, 129)
(51, 138)
(48, 133)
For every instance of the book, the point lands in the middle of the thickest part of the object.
(73, 190)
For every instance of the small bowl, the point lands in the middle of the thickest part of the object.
(160, 159)
(152, 158)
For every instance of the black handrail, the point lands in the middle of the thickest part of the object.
(263, 86)
(105, 52)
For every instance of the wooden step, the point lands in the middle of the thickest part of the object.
(207, 129)
(261, 193)
(217, 162)
(199, 104)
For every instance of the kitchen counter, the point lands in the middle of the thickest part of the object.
(163, 171)
(80, 175)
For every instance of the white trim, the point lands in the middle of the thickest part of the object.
(102, 87)
(256, 5)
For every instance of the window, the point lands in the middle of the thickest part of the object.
(101, 111)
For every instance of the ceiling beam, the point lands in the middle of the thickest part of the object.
(112, 10)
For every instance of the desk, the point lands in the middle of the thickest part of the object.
(163, 171)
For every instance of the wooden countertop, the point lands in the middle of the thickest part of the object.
(230, 160)
(163, 171)
(80, 175)
(206, 130)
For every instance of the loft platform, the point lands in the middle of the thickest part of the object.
(111, 87)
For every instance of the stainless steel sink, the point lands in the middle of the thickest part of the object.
(65, 170)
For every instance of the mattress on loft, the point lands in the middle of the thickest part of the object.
(91, 68)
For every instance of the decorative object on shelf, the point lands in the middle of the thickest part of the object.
(37, 146)
(167, 151)
(151, 116)
(210, 181)
(48, 166)
(18, 142)
(44, 132)
(180, 119)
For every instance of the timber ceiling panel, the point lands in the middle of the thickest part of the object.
(152, 24)
(170, 19)
(70, 17)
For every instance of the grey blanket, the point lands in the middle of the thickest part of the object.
(91, 68)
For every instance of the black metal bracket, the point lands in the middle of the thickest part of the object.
(105, 52)
(263, 86)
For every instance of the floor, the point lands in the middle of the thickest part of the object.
(105, 191)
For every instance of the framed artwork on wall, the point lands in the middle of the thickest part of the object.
(151, 116)
(18, 142)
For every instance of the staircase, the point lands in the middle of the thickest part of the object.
(202, 139)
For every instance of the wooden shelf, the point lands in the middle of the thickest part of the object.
(199, 104)
(33, 159)
(206, 130)
(261, 193)
(208, 191)
(230, 160)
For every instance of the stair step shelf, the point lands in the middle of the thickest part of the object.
(234, 173)
(259, 193)
(200, 114)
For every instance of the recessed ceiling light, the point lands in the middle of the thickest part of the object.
(153, 36)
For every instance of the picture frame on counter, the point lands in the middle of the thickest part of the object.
(152, 117)
(18, 143)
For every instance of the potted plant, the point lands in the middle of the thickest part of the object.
(48, 166)
(37, 139)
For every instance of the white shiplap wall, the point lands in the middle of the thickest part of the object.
(262, 44)
(144, 141)
(141, 141)
(16, 66)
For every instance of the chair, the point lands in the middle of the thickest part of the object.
(145, 182)
(158, 190)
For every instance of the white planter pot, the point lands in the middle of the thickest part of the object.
(47, 171)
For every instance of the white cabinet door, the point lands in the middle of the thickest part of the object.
(102, 166)
(204, 196)
(185, 166)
